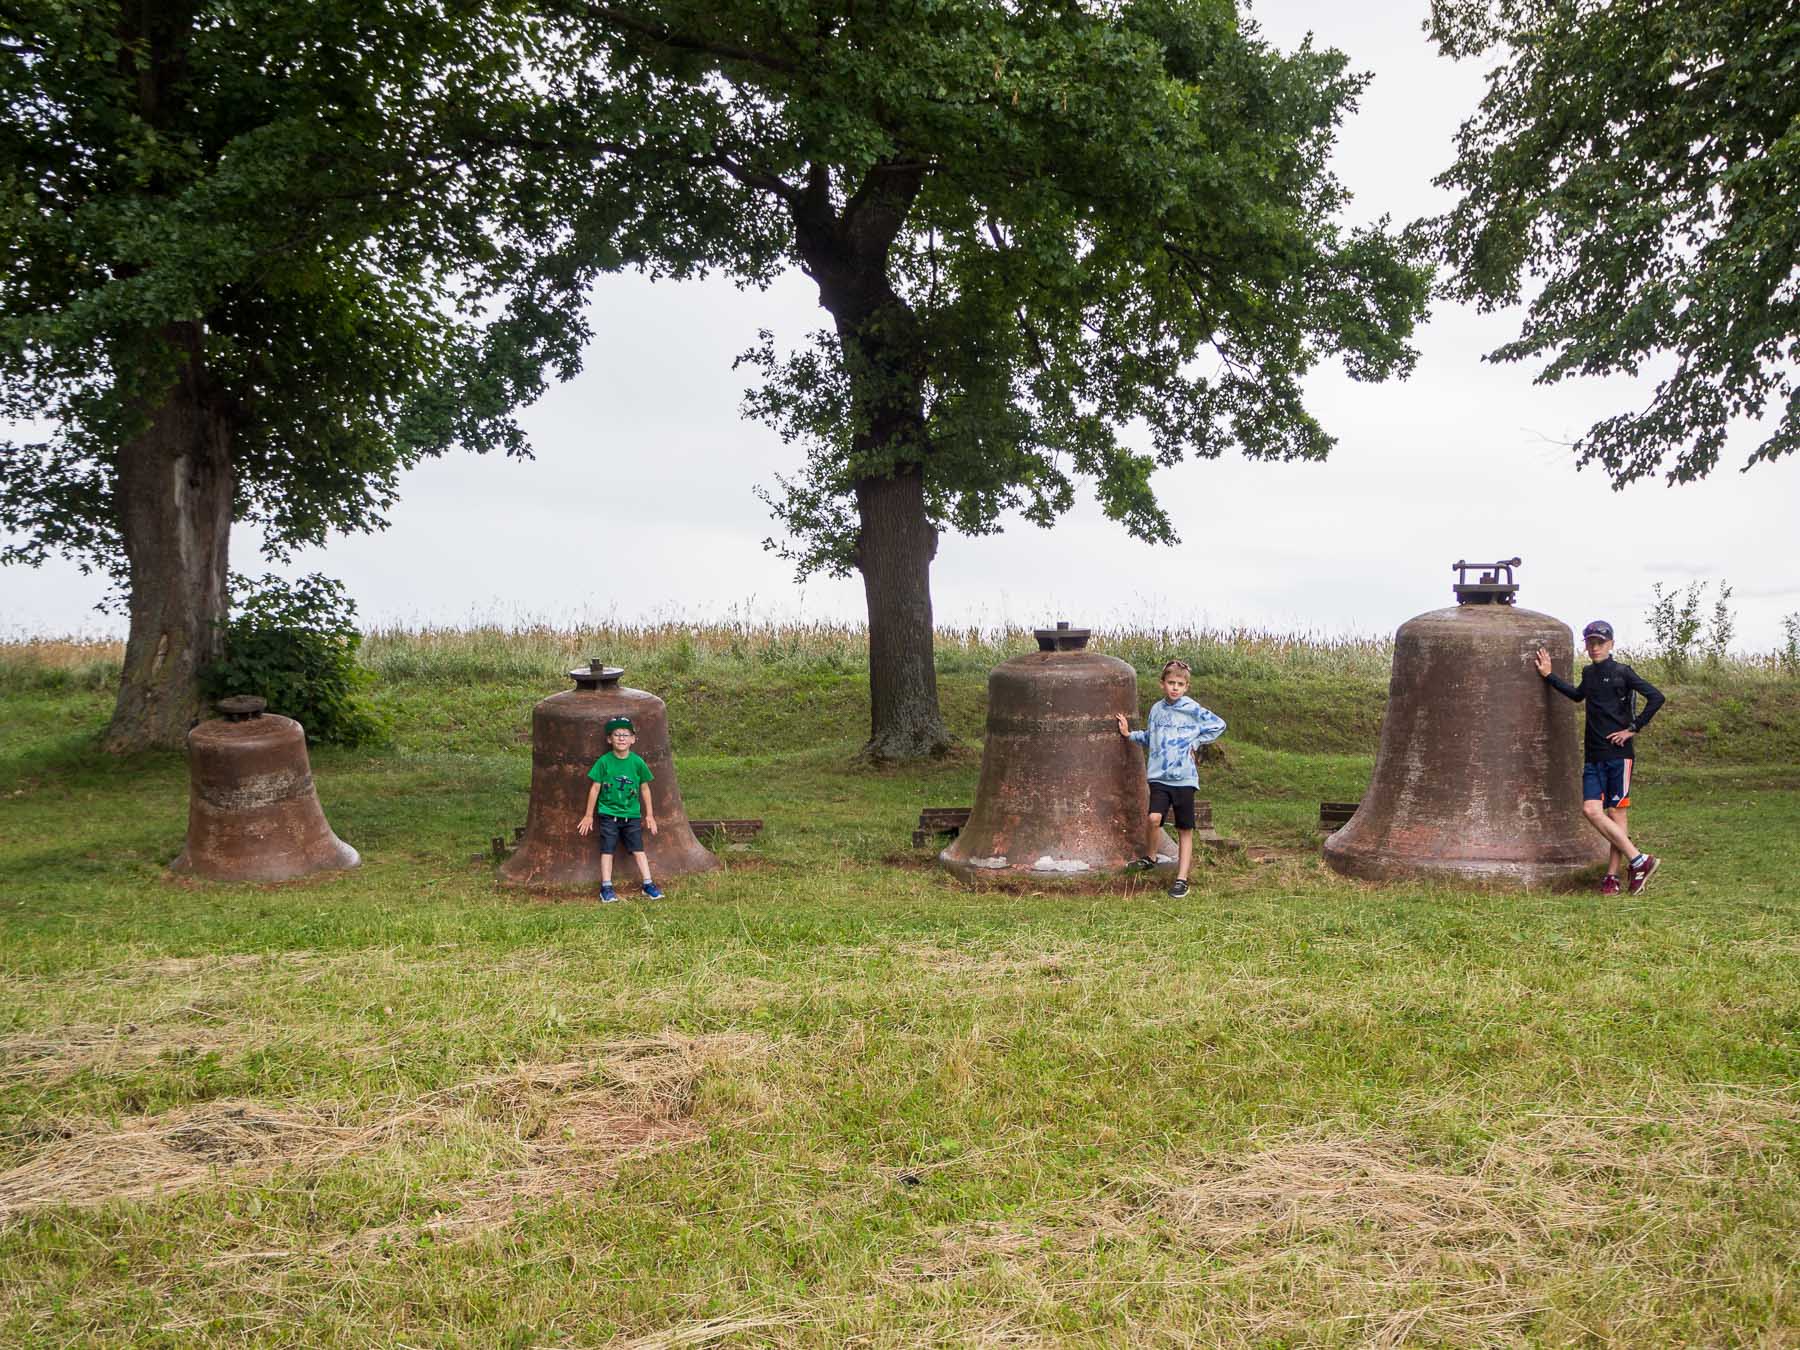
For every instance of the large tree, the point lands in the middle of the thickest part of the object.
(233, 239)
(1033, 225)
(1631, 174)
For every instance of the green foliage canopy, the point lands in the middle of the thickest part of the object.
(1037, 223)
(1632, 173)
(298, 183)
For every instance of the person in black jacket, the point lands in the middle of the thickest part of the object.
(1610, 688)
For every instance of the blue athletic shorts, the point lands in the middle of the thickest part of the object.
(1607, 781)
(616, 830)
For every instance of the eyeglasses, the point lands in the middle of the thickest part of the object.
(1173, 666)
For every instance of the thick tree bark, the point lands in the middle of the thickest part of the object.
(174, 495)
(894, 551)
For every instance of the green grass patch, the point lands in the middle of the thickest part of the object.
(825, 1096)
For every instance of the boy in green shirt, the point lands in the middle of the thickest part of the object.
(621, 789)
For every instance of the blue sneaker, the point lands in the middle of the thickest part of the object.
(607, 894)
(652, 891)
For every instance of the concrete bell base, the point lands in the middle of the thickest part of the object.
(970, 870)
(1498, 873)
(679, 855)
(328, 854)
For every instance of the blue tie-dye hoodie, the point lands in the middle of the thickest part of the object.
(1173, 730)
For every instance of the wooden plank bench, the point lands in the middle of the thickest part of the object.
(1333, 816)
(938, 822)
(738, 831)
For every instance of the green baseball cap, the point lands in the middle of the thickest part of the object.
(620, 724)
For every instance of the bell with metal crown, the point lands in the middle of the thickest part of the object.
(568, 734)
(253, 814)
(1478, 776)
(1062, 794)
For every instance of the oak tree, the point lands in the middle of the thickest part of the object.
(1045, 233)
(236, 251)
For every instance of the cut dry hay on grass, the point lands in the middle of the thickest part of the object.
(551, 1127)
(1368, 1230)
(49, 1057)
(707, 1332)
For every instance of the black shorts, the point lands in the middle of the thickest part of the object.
(616, 830)
(1166, 798)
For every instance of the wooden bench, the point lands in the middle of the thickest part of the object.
(1333, 816)
(938, 822)
(738, 831)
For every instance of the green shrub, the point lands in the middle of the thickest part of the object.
(294, 643)
(1675, 621)
(1724, 626)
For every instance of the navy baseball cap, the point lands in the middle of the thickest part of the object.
(1599, 628)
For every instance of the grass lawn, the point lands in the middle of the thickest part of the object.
(824, 1096)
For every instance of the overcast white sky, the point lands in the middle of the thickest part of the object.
(1461, 461)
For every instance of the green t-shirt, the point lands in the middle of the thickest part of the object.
(619, 780)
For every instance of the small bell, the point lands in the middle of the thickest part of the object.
(253, 814)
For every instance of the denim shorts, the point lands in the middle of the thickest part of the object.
(616, 830)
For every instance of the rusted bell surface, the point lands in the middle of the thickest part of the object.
(1062, 795)
(253, 814)
(568, 733)
(1479, 772)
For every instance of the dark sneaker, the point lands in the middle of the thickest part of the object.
(652, 891)
(1141, 865)
(1609, 885)
(1641, 874)
(1178, 888)
(607, 894)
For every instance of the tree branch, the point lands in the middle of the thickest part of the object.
(664, 36)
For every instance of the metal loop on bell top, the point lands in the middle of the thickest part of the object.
(1061, 638)
(1488, 589)
(596, 674)
(241, 707)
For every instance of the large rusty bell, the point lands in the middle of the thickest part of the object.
(253, 814)
(1478, 777)
(1062, 794)
(568, 733)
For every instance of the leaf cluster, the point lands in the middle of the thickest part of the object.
(1630, 175)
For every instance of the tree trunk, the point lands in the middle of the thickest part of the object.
(894, 550)
(174, 495)
(846, 253)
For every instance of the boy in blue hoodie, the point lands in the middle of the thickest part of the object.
(1176, 727)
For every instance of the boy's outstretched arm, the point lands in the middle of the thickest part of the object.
(1125, 730)
(1554, 680)
(587, 817)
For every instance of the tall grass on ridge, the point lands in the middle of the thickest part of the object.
(672, 647)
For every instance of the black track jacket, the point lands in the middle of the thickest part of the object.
(1609, 686)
